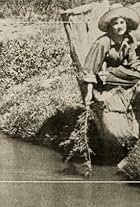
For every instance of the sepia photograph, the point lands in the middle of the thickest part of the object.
(69, 103)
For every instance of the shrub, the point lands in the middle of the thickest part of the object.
(40, 53)
(25, 107)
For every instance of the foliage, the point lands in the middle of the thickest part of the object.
(44, 9)
(27, 66)
(19, 8)
(67, 4)
(23, 58)
(25, 107)
(124, 2)
(78, 141)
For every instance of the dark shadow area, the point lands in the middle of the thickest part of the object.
(73, 169)
(59, 128)
(108, 151)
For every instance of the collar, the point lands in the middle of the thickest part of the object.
(112, 43)
(127, 38)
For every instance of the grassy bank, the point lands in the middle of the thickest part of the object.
(37, 80)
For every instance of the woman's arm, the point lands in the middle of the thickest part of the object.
(93, 65)
(89, 95)
(95, 58)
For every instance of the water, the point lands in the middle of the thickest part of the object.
(20, 161)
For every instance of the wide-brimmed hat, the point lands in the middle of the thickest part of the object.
(132, 17)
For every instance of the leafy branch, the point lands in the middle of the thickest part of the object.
(79, 141)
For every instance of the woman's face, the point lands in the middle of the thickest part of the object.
(118, 26)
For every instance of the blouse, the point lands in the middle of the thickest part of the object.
(120, 59)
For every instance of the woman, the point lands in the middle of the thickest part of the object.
(114, 57)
